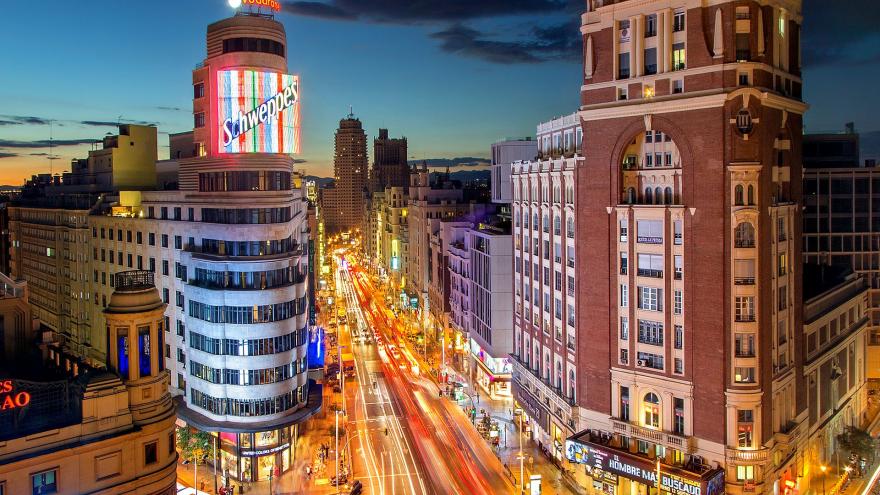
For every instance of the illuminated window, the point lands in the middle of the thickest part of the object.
(678, 56)
(624, 403)
(744, 375)
(745, 473)
(651, 410)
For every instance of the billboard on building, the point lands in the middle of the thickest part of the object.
(258, 112)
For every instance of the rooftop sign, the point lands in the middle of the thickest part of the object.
(258, 112)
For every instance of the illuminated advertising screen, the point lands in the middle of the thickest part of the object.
(258, 112)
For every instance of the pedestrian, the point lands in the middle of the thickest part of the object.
(202, 485)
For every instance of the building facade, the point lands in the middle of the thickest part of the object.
(544, 357)
(693, 117)
(428, 202)
(229, 249)
(390, 166)
(835, 337)
(842, 228)
(343, 204)
(504, 153)
(75, 431)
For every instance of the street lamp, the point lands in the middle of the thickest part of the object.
(823, 468)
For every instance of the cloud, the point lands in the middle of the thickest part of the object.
(426, 11)
(38, 154)
(464, 161)
(7, 155)
(107, 123)
(559, 42)
(172, 109)
(300, 160)
(318, 9)
(24, 119)
(44, 143)
(840, 33)
(541, 44)
(8, 122)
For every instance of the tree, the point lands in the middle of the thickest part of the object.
(857, 441)
(194, 445)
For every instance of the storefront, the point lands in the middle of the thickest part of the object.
(618, 472)
(492, 374)
(254, 456)
(536, 418)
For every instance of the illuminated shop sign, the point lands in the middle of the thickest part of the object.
(604, 463)
(257, 453)
(10, 399)
(258, 112)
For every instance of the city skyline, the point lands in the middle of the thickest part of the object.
(456, 48)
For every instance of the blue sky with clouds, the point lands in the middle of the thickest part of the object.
(452, 76)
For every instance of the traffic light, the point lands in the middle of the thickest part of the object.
(356, 488)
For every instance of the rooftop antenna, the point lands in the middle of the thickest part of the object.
(51, 157)
(350, 112)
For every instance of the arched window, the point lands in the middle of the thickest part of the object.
(651, 408)
(571, 384)
(570, 227)
(557, 225)
(648, 196)
(535, 221)
(751, 195)
(738, 195)
(668, 195)
(525, 216)
(744, 236)
(658, 196)
(631, 195)
(546, 224)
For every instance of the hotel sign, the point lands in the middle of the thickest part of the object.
(603, 462)
(10, 399)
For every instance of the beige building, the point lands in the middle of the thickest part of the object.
(97, 431)
(125, 161)
(835, 336)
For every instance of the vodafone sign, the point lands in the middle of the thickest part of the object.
(9, 399)
(269, 4)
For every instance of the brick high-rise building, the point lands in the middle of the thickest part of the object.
(689, 308)
(343, 204)
(390, 168)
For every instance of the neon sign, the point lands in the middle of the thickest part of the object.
(10, 400)
(272, 4)
(258, 112)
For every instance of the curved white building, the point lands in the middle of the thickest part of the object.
(230, 251)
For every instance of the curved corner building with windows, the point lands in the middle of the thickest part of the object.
(230, 251)
(243, 311)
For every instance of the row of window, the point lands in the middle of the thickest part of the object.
(249, 407)
(679, 61)
(248, 248)
(247, 377)
(248, 347)
(248, 280)
(247, 314)
(246, 215)
(245, 181)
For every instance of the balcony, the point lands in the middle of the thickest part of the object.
(736, 456)
(660, 437)
(646, 272)
(744, 280)
(744, 318)
(532, 380)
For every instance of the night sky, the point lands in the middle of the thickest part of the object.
(453, 76)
